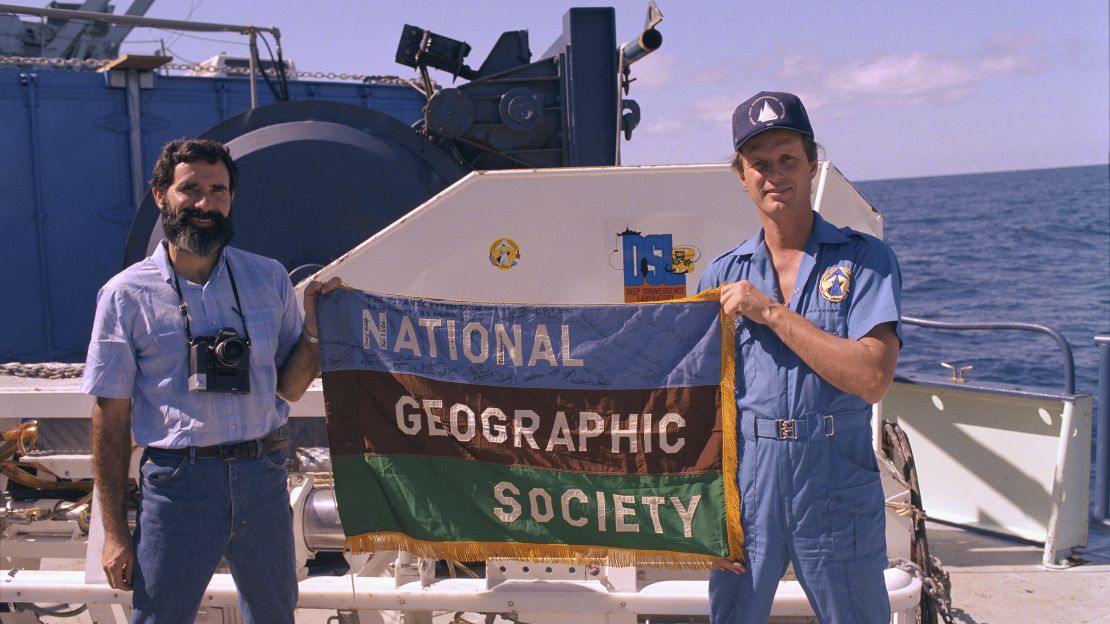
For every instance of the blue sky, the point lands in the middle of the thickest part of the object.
(895, 89)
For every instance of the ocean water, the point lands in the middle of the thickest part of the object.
(1017, 246)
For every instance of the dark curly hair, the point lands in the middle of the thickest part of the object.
(191, 150)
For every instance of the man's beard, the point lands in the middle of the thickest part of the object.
(198, 241)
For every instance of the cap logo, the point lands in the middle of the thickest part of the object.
(835, 283)
(766, 114)
(770, 109)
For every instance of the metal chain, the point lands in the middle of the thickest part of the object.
(319, 75)
(52, 62)
(938, 586)
(46, 370)
(937, 598)
(95, 64)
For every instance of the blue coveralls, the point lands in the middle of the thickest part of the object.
(815, 499)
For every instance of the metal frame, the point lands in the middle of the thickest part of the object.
(1069, 360)
(1102, 429)
(75, 17)
(573, 600)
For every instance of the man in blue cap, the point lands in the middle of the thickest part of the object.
(817, 341)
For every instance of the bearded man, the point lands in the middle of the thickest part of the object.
(198, 350)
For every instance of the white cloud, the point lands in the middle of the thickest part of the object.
(905, 78)
(1080, 54)
(712, 74)
(891, 80)
(717, 108)
(1008, 42)
(795, 65)
(1009, 53)
(900, 79)
(654, 72)
(661, 126)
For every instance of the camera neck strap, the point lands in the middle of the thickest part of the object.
(184, 307)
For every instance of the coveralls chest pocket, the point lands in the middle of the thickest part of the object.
(831, 318)
(747, 352)
(814, 393)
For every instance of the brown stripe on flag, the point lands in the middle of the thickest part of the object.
(395, 414)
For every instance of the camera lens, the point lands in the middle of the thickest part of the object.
(229, 351)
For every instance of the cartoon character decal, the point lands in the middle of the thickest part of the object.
(654, 268)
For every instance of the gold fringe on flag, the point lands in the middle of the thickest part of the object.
(552, 553)
(729, 451)
(729, 448)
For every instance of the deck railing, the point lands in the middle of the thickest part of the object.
(1101, 493)
(1102, 430)
(1069, 360)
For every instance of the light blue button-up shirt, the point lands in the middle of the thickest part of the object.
(772, 381)
(139, 350)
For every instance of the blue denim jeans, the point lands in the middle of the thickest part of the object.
(195, 511)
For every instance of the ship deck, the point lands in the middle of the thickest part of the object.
(995, 580)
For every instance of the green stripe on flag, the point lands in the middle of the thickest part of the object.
(455, 500)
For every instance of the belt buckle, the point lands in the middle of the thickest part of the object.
(788, 429)
(240, 450)
(227, 452)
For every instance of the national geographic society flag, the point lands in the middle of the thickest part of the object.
(574, 432)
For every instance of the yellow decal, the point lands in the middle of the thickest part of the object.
(504, 253)
(683, 259)
(835, 283)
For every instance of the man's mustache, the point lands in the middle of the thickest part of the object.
(192, 213)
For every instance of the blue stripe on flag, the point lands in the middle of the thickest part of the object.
(531, 346)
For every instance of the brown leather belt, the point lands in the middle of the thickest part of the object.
(248, 449)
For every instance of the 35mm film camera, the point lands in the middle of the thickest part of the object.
(220, 363)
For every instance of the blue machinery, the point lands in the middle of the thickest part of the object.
(333, 164)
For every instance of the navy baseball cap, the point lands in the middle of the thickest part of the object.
(768, 110)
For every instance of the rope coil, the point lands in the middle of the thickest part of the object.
(45, 370)
(936, 600)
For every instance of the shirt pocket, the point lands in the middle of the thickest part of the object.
(831, 319)
(264, 324)
(748, 351)
(163, 360)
